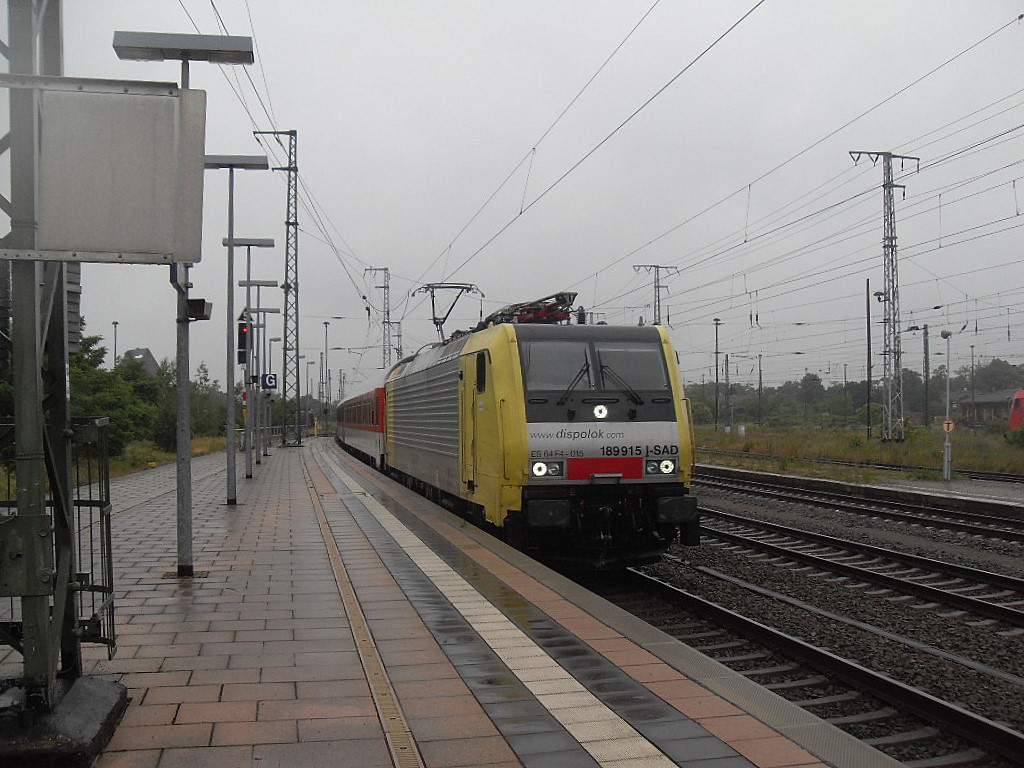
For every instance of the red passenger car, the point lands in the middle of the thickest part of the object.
(1017, 411)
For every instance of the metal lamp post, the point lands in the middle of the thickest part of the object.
(232, 162)
(270, 369)
(308, 384)
(270, 352)
(217, 49)
(947, 448)
(114, 362)
(325, 401)
(248, 244)
(259, 356)
(718, 322)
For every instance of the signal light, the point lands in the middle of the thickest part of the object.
(243, 341)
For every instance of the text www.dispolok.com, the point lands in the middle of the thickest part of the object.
(577, 434)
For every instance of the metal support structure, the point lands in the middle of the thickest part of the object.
(325, 376)
(947, 448)
(229, 352)
(658, 287)
(728, 399)
(760, 391)
(718, 322)
(248, 420)
(251, 418)
(39, 353)
(231, 163)
(183, 426)
(257, 401)
(433, 288)
(893, 426)
(867, 315)
(150, 46)
(291, 390)
(388, 325)
(927, 381)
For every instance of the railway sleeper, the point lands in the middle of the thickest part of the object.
(806, 682)
(780, 669)
(825, 701)
(998, 596)
(863, 717)
(963, 589)
(710, 633)
(904, 737)
(957, 760)
(741, 658)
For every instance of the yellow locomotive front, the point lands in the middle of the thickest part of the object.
(576, 441)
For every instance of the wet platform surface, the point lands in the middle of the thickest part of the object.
(337, 619)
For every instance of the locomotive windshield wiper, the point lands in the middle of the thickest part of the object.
(631, 393)
(583, 371)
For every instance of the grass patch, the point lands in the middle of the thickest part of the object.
(146, 455)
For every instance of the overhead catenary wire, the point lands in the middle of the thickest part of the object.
(529, 156)
(760, 238)
(719, 202)
(607, 138)
(786, 229)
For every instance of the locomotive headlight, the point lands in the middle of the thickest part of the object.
(659, 466)
(546, 469)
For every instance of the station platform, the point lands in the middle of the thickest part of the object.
(337, 619)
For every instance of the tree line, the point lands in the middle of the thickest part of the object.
(811, 401)
(142, 406)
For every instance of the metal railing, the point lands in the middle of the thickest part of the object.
(89, 587)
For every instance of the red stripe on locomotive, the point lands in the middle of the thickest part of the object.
(630, 467)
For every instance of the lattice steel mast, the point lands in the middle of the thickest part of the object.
(389, 326)
(658, 287)
(291, 394)
(892, 357)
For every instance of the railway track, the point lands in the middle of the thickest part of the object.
(984, 523)
(973, 474)
(981, 593)
(900, 720)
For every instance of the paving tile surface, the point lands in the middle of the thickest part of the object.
(256, 663)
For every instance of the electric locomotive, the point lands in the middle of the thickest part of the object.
(573, 442)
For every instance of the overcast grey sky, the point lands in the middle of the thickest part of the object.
(410, 115)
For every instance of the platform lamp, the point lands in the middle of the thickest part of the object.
(248, 243)
(308, 388)
(231, 163)
(216, 49)
(270, 369)
(260, 359)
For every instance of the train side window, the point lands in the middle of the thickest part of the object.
(481, 371)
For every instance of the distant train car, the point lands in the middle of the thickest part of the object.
(361, 426)
(1016, 421)
(573, 442)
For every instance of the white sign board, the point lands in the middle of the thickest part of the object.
(121, 177)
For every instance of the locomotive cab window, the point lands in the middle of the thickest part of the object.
(481, 371)
(556, 365)
(640, 366)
